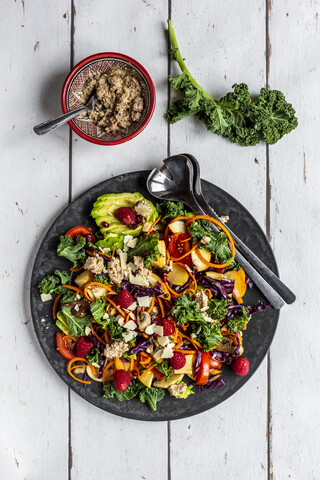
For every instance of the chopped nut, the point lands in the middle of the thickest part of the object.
(115, 349)
(114, 270)
(177, 389)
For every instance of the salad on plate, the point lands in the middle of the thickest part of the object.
(152, 302)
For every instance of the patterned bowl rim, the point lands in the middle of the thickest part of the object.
(107, 55)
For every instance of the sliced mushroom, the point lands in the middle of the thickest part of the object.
(144, 320)
(79, 308)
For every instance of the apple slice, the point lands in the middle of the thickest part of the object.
(178, 227)
(153, 279)
(196, 260)
(161, 259)
(214, 275)
(178, 275)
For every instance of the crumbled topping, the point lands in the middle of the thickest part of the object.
(114, 270)
(178, 389)
(116, 349)
(141, 270)
(224, 218)
(205, 240)
(94, 264)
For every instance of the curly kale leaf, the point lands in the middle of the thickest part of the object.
(152, 396)
(217, 308)
(75, 324)
(186, 310)
(165, 368)
(168, 209)
(235, 116)
(98, 309)
(131, 391)
(50, 283)
(207, 334)
(272, 115)
(93, 356)
(113, 327)
(238, 322)
(218, 244)
(102, 279)
(72, 250)
(146, 248)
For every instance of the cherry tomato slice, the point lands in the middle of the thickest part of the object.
(178, 246)
(157, 374)
(204, 370)
(64, 346)
(215, 364)
(82, 231)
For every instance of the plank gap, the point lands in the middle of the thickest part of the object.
(268, 233)
(72, 12)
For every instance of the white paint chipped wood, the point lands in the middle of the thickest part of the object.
(260, 433)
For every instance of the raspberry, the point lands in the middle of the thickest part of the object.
(177, 361)
(124, 299)
(84, 347)
(126, 216)
(168, 327)
(240, 366)
(121, 380)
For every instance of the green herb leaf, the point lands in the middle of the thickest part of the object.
(72, 250)
(98, 309)
(164, 367)
(239, 321)
(102, 279)
(131, 391)
(146, 248)
(217, 308)
(93, 356)
(218, 244)
(114, 328)
(208, 334)
(186, 310)
(76, 325)
(152, 396)
(235, 116)
(50, 283)
(168, 209)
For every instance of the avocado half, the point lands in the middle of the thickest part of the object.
(104, 210)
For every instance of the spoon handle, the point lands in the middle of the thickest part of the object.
(272, 279)
(53, 123)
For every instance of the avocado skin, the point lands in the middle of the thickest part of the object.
(104, 210)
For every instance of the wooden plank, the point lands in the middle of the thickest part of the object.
(294, 178)
(224, 43)
(126, 448)
(34, 172)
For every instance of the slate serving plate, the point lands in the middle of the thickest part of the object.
(257, 337)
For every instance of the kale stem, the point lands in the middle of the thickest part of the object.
(182, 65)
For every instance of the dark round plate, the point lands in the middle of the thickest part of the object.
(257, 337)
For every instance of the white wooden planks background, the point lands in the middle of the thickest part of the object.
(269, 429)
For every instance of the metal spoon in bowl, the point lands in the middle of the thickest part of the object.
(53, 123)
(175, 181)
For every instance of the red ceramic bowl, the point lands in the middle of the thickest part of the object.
(75, 81)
